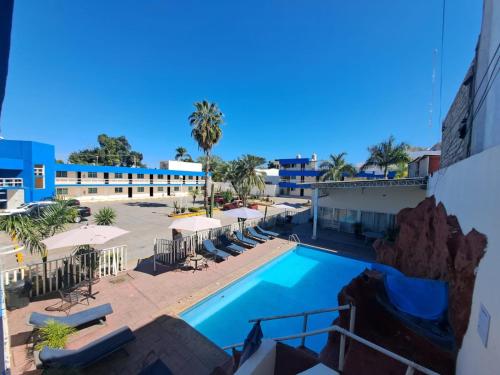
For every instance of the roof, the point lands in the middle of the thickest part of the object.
(101, 168)
(352, 184)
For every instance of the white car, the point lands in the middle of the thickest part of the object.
(25, 207)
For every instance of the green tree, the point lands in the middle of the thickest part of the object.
(105, 216)
(206, 123)
(182, 154)
(111, 151)
(336, 166)
(194, 194)
(216, 168)
(386, 154)
(242, 175)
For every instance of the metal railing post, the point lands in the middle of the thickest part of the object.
(409, 371)
(341, 352)
(304, 330)
(352, 318)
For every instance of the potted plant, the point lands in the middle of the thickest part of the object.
(54, 335)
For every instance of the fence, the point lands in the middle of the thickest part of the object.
(171, 251)
(50, 276)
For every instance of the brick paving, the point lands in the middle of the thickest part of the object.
(149, 304)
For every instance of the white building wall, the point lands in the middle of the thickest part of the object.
(177, 165)
(15, 197)
(470, 189)
(382, 199)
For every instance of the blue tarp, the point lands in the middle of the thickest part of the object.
(421, 298)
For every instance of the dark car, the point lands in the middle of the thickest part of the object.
(82, 212)
(36, 210)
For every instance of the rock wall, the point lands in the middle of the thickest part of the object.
(431, 244)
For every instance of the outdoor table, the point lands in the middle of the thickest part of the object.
(196, 258)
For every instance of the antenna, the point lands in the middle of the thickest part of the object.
(431, 104)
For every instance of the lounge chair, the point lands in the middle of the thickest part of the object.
(267, 232)
(228, 244)
(245, 240)
(217, 253)
(94, 314)
(253, 233)
(86, 355)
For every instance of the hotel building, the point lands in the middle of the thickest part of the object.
(296, 173)
(28, 172)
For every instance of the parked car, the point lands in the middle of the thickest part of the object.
(82, 212)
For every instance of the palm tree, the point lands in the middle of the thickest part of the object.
(105, 216)
(205, 122)
(182, 154)
(243, 175)
(336, 166)
(386, 154)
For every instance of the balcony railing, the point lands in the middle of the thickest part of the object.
(124, 181)
(11, 182)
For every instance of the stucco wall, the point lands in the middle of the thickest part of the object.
(470, 190)
(387, 200)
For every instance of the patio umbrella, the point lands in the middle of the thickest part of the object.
(244, 213)
(195, 223)
(85, 235)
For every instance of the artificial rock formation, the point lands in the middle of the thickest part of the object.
(430, 244)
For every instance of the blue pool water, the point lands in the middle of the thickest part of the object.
(301, 279)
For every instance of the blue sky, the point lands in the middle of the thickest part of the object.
(291, 76)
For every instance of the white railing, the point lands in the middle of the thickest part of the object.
(11, 182)
(294, 237)
(63, 272)
(410, 365)
(122, 181)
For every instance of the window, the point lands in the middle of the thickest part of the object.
(160, 188)
(39, 172)
(140, 175)
(62, 174)
(160, 177)
(176, 177)
(176, 188)
(92, 190)
(377, 221)
(118, 190)
(118, 175)
(92, 174)
(140, 189)
(62, 191)
(190, 177)
(190, 188)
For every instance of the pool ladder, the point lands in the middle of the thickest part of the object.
(294, 238)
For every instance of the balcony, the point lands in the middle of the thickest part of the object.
(11, 183)
(124, 181)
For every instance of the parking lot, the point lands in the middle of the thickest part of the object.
(145, 220)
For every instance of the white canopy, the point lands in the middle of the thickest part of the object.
(195, 223)
(84, 235)
(244, 213)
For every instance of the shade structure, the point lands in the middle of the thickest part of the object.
(244, 213)
(195, 223)
(84, 235)
(283, 206)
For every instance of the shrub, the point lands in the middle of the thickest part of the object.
(183, 209)
(105, 216)
(193, 209)
(54, 335)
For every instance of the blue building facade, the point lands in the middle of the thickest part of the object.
(295, 173)
(29, 169)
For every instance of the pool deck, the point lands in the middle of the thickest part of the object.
(149, 304)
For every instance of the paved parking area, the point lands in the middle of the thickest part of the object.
(145, 219)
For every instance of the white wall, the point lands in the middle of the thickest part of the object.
(382, 199)
(177, 165)
(15, 197)
(470, 189)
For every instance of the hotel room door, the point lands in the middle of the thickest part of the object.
(130, 192)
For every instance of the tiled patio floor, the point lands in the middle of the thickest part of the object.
(149, 305)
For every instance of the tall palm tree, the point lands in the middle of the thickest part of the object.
(243, 175)
(182, 154)
(336, 166)
(386, 154)
(205, 122)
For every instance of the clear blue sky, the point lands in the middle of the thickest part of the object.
(291, 76)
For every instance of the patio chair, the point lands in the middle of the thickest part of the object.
(69, 298)
(267, 232)
(245, 240)
(253, 233)
(86, 355)
(93, 314)
(228, 244)
(216, 253)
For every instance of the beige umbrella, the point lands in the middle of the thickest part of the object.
(195, 223)
(84, 236)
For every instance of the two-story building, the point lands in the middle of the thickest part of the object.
(28, 172)
(296, 174)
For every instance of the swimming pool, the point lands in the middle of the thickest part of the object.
(302, 279)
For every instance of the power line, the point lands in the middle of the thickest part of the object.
(442, 58)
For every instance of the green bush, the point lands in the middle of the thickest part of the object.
(54, 335)
(193, 209)
(105, 216)
(183, 209)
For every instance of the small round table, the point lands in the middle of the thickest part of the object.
(196, 258)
